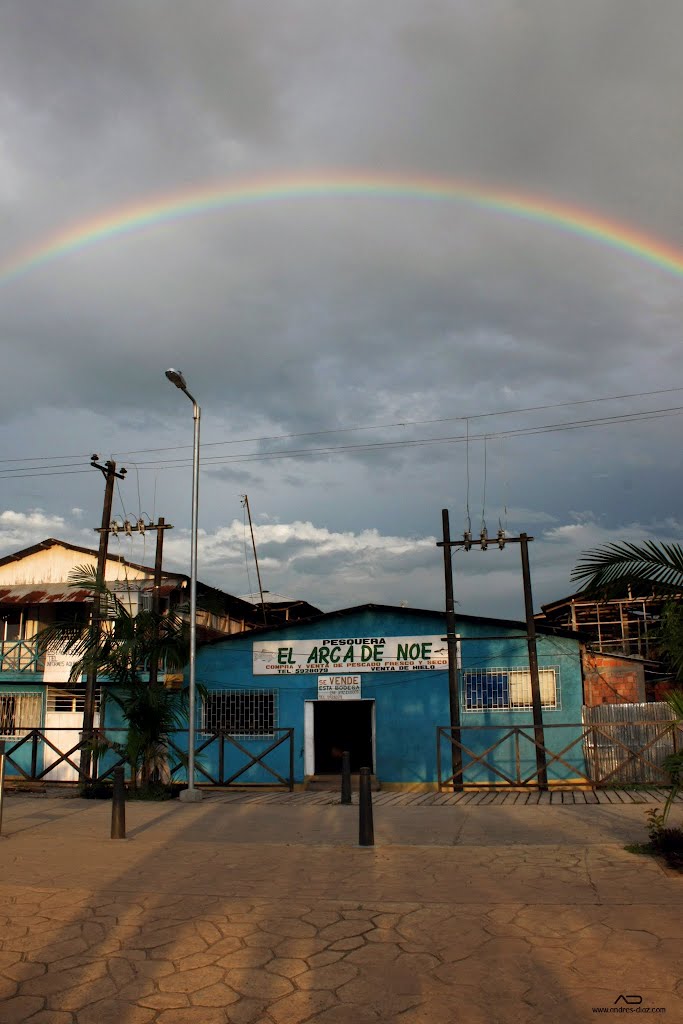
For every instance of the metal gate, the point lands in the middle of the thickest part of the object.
(637, 728)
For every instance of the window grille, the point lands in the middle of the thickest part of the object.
(69, 701)
(243, 714)
(20, 712)
(508, 689)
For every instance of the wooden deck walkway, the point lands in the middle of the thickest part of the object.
(388, 798)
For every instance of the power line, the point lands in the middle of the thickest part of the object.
(34, 469)
(404, 423)
(289, 453)
(371, 446)
(29, 476)
(350, 429)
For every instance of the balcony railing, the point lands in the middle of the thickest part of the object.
(20, 656)
(23, 656)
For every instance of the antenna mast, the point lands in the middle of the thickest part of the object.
(245, 503)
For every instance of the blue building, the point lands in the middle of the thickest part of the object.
(373, 680)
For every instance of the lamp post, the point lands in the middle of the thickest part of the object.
(191, 795)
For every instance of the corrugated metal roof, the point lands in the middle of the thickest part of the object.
(43, 593)
(59, 593)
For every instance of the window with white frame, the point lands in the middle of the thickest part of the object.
(508, 689)
(20, 712)
(244, 714)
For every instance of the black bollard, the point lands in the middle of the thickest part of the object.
(118, 805)
(346, 778)
(366, 832)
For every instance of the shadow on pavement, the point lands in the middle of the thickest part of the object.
(229, 913)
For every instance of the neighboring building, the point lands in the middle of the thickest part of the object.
(278, 609)
(620, 625)
(624, 626)
(35, 593)
(612, 678)
(373, 680)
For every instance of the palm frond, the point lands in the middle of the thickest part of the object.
(660, 565)
(675, 701)
(86, 577)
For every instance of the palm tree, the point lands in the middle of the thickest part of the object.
(123, 650)
(674, 762)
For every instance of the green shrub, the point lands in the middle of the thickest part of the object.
(96, 791)
(154, 791)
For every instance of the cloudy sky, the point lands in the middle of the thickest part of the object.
(326, 332)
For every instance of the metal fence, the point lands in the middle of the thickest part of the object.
(36, 757)
(629, 727)
(605, 753)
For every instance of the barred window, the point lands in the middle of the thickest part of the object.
(71, 700)
(508, 689)
(19, 712)
(486, 691)
(240, 713)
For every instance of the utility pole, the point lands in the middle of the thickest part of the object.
(467, 543)
(108, 470)
(142, 527)
(245, 502)
(537, 708)
(159, 526)
(452, 644)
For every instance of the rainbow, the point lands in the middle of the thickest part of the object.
(173, 206)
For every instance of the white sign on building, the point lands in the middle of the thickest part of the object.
(338, 687)
(58, 667)
(349, 654)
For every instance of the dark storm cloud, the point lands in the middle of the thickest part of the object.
(324, 313)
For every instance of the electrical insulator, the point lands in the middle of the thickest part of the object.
(484, 539)
(501, 539)
(128, 527)
(141, 525)
(467, 540)
(114, 526)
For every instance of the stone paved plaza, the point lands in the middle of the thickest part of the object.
(264, 909)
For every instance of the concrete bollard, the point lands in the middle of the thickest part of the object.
(346, 778)
(366, 832)
(118, 805)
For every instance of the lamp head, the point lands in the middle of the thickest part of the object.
(176, 377)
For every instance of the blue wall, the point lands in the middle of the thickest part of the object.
(516, 756)
(409, 705)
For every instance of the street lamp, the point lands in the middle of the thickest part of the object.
(191, 795)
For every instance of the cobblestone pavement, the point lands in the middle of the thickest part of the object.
(231, 911)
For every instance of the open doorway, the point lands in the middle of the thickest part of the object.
(340, 725)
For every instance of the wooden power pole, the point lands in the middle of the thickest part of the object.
(108, 470)
(452, 646)
(483, 542)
